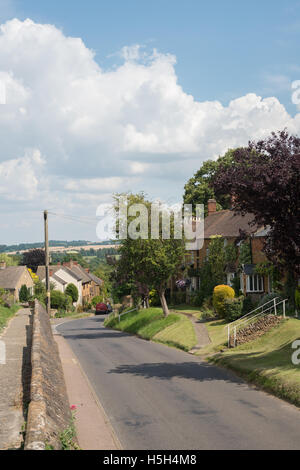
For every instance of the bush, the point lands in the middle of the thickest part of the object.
(196, 299)
(154, 300)
(24, 294)
(233, 308)
(248, 305)
(221, 293)
(59, 300)
(72, 291)
(266, 298)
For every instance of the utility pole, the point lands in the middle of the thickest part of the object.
(47, 262)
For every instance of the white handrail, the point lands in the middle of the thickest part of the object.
(129, 311)
(263, 313)
(252, 311)
(247, 315)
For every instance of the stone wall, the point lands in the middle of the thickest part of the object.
(49, 410)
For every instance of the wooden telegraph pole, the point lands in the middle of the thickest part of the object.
(47, 262)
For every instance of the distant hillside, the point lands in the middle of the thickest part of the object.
(53, 243)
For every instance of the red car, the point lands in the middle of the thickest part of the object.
(101, 309)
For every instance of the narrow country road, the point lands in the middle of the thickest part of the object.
(161, 398)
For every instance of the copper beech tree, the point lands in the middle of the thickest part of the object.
(264, 180)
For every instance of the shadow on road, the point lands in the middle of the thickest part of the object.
(187, 370)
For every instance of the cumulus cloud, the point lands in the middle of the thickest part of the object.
(132, 126)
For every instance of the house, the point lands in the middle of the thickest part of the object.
(12, 278)
(88, 284)
(229, 225)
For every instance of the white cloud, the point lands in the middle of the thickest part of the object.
(20, 177)
(102, 131)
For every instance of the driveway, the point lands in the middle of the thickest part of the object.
(161, 398)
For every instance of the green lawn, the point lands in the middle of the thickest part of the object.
(186, 309)
(176, 330)
(180, 335)
(267, 361)
(6, 314)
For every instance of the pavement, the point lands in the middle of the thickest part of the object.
(93, 428)
(157, 397)
(14, 380)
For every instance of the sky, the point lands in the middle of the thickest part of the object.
(110, 96)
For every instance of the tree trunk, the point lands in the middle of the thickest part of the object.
(164, 302)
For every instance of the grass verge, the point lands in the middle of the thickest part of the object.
(6, 314)
(175, 330)
(267, 361)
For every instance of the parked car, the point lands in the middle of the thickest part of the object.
(101, 309)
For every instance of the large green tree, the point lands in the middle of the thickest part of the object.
(198, 190)
(147, 262)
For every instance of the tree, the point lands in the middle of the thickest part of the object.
(198, 189)
(148, 263)
(264, 180)
(24, 294)
(9, 260)
(33, 258)
(72, 291)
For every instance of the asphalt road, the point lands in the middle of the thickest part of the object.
(161, 398)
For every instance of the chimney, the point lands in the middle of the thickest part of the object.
(87, 270)
(2, 264)
(212, 206)
(50, 272)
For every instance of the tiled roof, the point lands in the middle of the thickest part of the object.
(77, 269)
(227, 224)
(96, 279)
(41, 271)
(59, 279)
(10, 276)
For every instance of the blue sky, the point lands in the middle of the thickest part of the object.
(224, 49)
(151, 90)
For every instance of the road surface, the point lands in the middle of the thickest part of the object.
(161, 398)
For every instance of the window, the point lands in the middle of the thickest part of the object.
(255, 283)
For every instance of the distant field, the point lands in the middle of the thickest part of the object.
(62, 249)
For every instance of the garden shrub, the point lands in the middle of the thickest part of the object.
(233, 308)
(72, 291)
(266, 298)
(154, 300)
(60, 300)
(24, 294)
(221, 293)
(248, 305)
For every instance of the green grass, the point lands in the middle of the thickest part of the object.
(186, 309)
(267, 362)
(6, 314)
(175, 330)
(180, 335)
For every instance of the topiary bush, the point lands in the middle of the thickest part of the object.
(221, 293)
(24, 294)
(233, 308)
